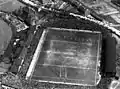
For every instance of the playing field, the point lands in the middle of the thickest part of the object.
(68, 57)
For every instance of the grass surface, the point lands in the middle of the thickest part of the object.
(5, 35)
(10, 5)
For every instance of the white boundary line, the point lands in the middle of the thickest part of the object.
(44, 81)
(63, 78)
(98, 53)
(75, 30)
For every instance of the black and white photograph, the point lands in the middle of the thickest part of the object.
(59, 44)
